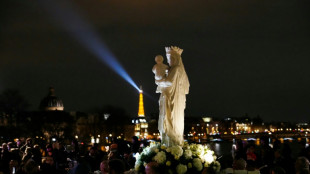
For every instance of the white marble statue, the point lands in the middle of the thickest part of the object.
(160, 70)
(174, 88)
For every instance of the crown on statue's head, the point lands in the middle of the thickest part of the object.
(173, 49)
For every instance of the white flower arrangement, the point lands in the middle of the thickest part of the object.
(176, 159)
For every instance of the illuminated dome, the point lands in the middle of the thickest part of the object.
(51, 102)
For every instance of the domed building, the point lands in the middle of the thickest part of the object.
(51, 102)
(51, 121)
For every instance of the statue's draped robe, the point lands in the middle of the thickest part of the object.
(172, 104)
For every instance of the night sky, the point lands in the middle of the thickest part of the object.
(241, 56)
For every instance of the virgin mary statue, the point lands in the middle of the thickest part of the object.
(172, 100)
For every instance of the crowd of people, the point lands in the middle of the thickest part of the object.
(56, 158)
(269, 159)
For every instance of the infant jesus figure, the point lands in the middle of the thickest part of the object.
(160, 70)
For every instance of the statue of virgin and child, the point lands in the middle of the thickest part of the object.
(172, 82)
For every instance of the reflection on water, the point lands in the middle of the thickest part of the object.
(226, 148)
(217, 147)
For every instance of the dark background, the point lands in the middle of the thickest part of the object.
(240, 56)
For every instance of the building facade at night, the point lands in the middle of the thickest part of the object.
(204, 129)
(51, 121)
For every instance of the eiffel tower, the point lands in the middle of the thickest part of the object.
(140, 122)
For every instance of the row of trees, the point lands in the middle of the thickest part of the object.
(12, 108)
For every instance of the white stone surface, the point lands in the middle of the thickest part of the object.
(173, 89)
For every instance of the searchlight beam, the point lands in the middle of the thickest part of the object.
(66, 14)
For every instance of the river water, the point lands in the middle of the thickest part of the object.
(224, 149)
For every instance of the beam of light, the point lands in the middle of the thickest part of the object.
(66, 14)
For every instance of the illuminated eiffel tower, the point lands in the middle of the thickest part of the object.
(140, 122)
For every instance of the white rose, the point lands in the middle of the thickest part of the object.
(176, 151)
(208, 158)
(181, 169)
(197, 164)
(160, 157)
(188, 154)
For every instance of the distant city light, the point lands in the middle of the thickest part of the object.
(207, 119)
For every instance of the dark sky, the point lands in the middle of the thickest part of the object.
(241, 56)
